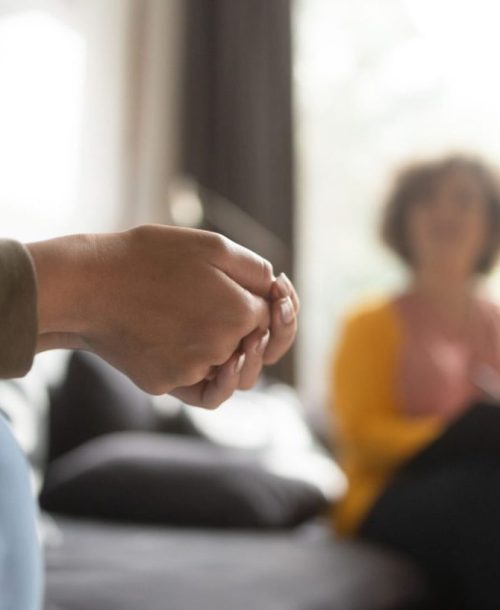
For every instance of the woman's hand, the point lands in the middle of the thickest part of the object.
(166, 306)
(256, 349)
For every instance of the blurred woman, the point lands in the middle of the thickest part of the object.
(409, 369)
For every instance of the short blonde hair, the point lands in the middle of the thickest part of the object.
(414, 181)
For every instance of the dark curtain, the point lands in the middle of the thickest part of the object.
(237, 123)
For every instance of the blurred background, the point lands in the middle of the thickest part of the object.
(278, 124)
(377, 85)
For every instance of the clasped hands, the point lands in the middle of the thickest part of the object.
(179, 311)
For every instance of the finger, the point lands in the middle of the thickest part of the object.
(210, 394)
(254, 347)
(283, 287)
(283, 329)
(246, 268)
(226, 382)
(295, 297)
(257, 315)
(262, 313)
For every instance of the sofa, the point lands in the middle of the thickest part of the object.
(148, 504)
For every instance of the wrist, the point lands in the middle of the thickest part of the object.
(63, 267)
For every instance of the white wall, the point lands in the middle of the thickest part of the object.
(89, 123)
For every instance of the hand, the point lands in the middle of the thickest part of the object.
(260, 347)
(162, 304)
(269, 347)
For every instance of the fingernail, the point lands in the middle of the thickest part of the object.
(262, 344)
(287, 313)
(283, 284)
(239, 364)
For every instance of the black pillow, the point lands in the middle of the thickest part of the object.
(154, 478)
(95, 399)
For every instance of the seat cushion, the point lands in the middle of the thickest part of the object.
(98, 566)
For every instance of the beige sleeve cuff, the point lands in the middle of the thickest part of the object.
(18, 309)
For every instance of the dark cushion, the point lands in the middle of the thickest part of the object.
(93, 400)
(102, 566)
(155, 478)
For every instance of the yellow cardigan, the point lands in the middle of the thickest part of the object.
(372, 433)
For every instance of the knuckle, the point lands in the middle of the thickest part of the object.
(217, 243)
(192, 376)
(256, 309)
(142, 232)
(267, 271)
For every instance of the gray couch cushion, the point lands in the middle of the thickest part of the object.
(94, 566)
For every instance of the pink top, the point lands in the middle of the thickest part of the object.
(440, 370)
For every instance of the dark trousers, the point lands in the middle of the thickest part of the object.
(443, 510)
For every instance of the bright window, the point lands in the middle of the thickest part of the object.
(42, 66)
(378, 83)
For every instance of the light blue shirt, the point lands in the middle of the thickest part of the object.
(20, 551)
